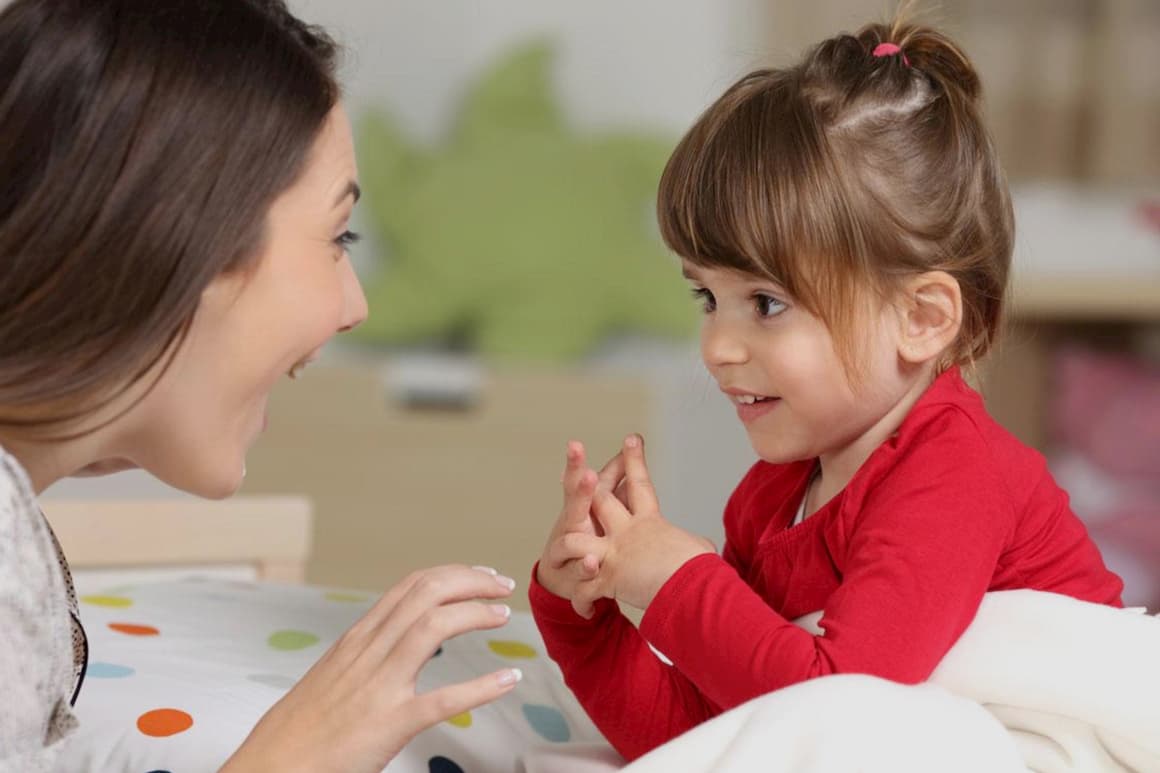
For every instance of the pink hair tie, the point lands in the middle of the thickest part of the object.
(890, 49)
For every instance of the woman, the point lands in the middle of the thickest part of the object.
(178, 176)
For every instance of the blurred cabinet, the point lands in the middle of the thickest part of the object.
(397, 489)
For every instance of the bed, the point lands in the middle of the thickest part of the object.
(198, 622)
(182, 664)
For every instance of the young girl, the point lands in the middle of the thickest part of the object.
(847, 229)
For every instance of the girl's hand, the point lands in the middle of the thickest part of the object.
(574, 550)
(357, 707)
(642, 550)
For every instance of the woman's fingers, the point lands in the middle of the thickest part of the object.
(438, 624)
(433, 588)
(446, 702)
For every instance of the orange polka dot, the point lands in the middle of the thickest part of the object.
(131, 629)
(164, 722)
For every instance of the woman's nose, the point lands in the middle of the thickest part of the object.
(354, 301)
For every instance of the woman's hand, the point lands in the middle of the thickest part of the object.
(357, 707)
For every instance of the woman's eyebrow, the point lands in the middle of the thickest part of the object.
(351, 189)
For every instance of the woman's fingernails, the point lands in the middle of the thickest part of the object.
(510, 677)
(486, 570)
(506, 582)
(501, 610)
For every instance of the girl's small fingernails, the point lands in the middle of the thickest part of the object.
(502, 610)
(486, 570)
(506, 582)
(632, 441)
(510, 677)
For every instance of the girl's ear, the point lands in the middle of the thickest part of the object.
(931, 306)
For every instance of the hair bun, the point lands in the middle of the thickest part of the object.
(938, 57)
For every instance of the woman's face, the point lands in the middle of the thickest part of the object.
(254, 327)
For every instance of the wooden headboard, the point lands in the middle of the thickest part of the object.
(272, 534)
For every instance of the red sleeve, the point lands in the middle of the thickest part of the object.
(920, 546)
(637, 701)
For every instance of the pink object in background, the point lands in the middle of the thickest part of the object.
(1105, 418)
(1107, 407)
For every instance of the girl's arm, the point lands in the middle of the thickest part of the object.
(918, 558)
(637, 701)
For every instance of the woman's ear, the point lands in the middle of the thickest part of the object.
(931, 306)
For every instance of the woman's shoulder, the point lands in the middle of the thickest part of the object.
(35, 652)
(17, 502)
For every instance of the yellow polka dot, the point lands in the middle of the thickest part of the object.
(107, 601)
(461, 720)
(512, 649)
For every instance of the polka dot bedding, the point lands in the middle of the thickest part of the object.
(179, 672)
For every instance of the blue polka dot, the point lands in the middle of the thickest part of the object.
(277, 681)
(100, 670)
(442, 765)
(548, 722)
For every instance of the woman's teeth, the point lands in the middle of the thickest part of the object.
(748, 399)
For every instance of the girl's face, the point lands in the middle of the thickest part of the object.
(254, 327)
(778, 364)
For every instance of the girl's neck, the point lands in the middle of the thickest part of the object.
(837, 468)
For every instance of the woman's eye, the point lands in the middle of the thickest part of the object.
(347, 239)
(768, 306)
(708, 303)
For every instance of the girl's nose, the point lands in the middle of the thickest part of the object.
(721, 345)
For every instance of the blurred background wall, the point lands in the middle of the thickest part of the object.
(419, 450)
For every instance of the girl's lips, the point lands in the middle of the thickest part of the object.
(749, 412)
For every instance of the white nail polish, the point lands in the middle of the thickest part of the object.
(507, 582)
(502, 610)
(486, 570)
(510, 677)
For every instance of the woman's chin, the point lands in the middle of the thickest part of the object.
(104, 467)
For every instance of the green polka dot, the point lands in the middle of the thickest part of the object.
(511, 649)
(119, 602)
(291, 640)
(350, 598)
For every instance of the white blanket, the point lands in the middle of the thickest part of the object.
(1038, 682)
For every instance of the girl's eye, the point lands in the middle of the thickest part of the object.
(768, 306)
(347, 239)
(708, 303)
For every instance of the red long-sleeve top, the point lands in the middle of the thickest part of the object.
(950, 507)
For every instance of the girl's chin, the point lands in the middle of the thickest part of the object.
(104, 467)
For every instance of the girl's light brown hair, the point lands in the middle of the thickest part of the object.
(850, 171)
(142, 144)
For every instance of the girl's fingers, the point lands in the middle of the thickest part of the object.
(642, 497)
(610, 512)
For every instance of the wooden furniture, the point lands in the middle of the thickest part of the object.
(270, 535)
(398, 489)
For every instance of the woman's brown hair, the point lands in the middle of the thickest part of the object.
(850, 170)
(141, 144)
